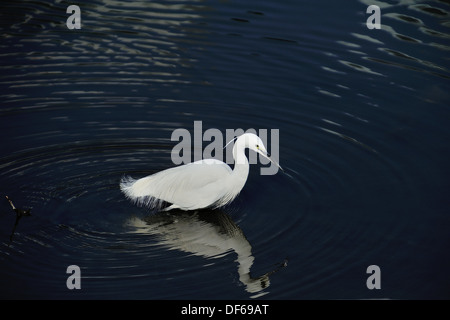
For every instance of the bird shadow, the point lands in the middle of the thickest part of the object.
(207, 233)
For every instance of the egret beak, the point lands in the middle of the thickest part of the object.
(267, 156)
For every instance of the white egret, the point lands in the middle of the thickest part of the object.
(207, 183)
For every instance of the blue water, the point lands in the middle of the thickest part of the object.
(363, 119)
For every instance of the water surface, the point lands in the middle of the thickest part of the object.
(364, 141)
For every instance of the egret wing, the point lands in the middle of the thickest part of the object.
(197, 184)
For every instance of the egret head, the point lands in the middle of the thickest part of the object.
(253, 142)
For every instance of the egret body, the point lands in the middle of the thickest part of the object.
(207, 183)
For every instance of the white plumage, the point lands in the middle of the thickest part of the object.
(200, 184)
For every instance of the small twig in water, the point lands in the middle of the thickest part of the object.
(19, 214)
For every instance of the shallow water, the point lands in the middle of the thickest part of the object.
(363, 138)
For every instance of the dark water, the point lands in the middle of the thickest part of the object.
(363, 117)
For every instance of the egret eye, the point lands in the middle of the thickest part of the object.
(257, 146)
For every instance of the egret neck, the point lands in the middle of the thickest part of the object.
(241, 165)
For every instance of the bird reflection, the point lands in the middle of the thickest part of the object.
(206, 233)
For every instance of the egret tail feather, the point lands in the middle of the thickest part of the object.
(129, 188)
